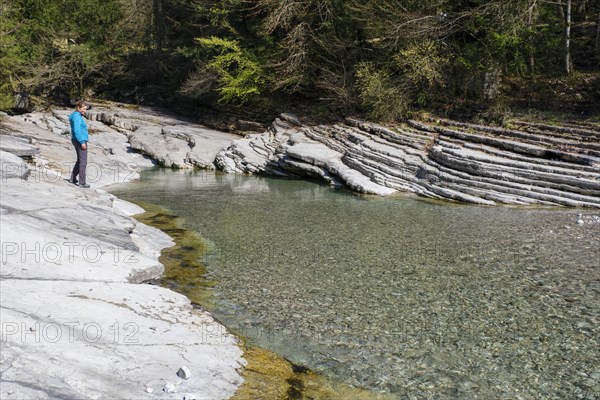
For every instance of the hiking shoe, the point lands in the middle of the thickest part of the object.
(84, 185)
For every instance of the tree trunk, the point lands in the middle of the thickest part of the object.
(530, 15)
(566, 18)
(158, 26)
(568, 64)
(598, 34)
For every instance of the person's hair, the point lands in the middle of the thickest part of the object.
(81, 103)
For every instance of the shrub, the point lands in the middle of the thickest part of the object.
(379, 94)
(240, 76)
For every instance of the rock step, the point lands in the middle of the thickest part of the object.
(390, 177)
(474, 162)
(401, 161)
(533, 163)
(551, 181)
(512, 183)
(521, 148)
(404, 136)
(129, 123)
(526, 197)
(433, 161)
(290, 166)
(387, 179)
(344, 140)
(459, 194)
(510, 145)
(488, 194)
(12, 166)
(546, 132)
(377, 153)
(393, 177)
(19, 146)
(412, 148)
(315, 134)
(557, 144)
(561, 135)
(382, 152)
(261, 149)
(505, 193)
(562, 129)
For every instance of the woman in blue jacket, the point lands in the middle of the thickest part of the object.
(79, 138)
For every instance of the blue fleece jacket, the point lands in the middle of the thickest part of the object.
(79, 129)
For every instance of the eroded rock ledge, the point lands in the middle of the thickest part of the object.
(442, 159)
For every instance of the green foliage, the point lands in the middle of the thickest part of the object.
(219, 14)
(415, 74)
(388, 56)
(241, 77)
(379, 94)
(421, 68)
(10, 54)
(46, 44)
(510, 48)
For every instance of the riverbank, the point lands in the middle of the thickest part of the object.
(76, 320)
(523, 163)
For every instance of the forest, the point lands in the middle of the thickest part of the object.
(384, 59)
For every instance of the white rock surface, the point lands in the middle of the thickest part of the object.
(18, 146)
(171, 141)
(74, 323)
(108, 340)
(12, 166)
(169, 388)
(110, 157)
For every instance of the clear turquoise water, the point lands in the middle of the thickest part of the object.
(398, 294)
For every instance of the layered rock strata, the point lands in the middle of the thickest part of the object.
(442, 159)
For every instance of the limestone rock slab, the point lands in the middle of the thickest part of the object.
(75, 322)
(65, 339)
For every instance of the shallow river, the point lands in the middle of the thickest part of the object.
(399, 294)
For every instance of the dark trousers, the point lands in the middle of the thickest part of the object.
(81, 164)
